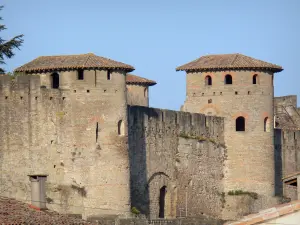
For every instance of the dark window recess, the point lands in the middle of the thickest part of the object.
(97, 131)
(80, 74)
(209, 100)
(88, 91)
(236, 92)
(55, 80)
(120, 128)
(162, 197)
(240, 124)
(266, 125)
(208, 80)
(228, 79)
(108, 74)
(254, 79)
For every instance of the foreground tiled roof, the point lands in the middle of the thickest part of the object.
(70, 62)
(16, 212)
(228, 61)
(268, 214)
(133, 79)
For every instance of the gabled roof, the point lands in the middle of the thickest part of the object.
(133, 79)
(71, 62)
(228, 62)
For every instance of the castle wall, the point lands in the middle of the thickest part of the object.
(70, 134)
(137, 95)
(290, 100)
(183, 152)
(288, 143)
(251, 151)
(287, 115)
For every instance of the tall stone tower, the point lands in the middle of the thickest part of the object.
(239, 88)
(77, 132)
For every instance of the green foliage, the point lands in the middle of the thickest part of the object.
(241, 192)
(135, 211)
(12, 75)
(7, 46)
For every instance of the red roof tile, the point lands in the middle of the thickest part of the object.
(70, 62)
(16, 212)
(228, 61)
(268, 214)
(133, 79)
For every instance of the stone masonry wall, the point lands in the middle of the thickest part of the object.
(288, 143)
(287, 115)
(181, 151)
(137, 95)
(70, 134)
(249, 149)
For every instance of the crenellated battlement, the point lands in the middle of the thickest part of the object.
(155, 120)
(23, 84)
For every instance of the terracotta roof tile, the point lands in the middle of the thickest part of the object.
(70, 62)
(268, 214)
(133, 79)
(228, 61)
(16, 212)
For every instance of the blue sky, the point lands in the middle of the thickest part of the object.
(157, 36)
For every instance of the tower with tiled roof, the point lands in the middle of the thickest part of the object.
(138, 90)
(77, 110)
(239, 88)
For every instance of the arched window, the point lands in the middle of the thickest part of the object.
(208, 80)
(255, 79)
(267, 124)
(228, 79)
(162, 198)
(240, 124)
(145, 92)
(55, 80)
(121, 128)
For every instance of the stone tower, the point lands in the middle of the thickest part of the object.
(77, 132)
(239, 88)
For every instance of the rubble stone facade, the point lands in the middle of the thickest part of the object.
(105, 152)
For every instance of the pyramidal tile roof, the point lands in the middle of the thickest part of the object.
(228, 62)
(71, 62)
(133, 79)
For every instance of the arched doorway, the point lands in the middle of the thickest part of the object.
(162, 201)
